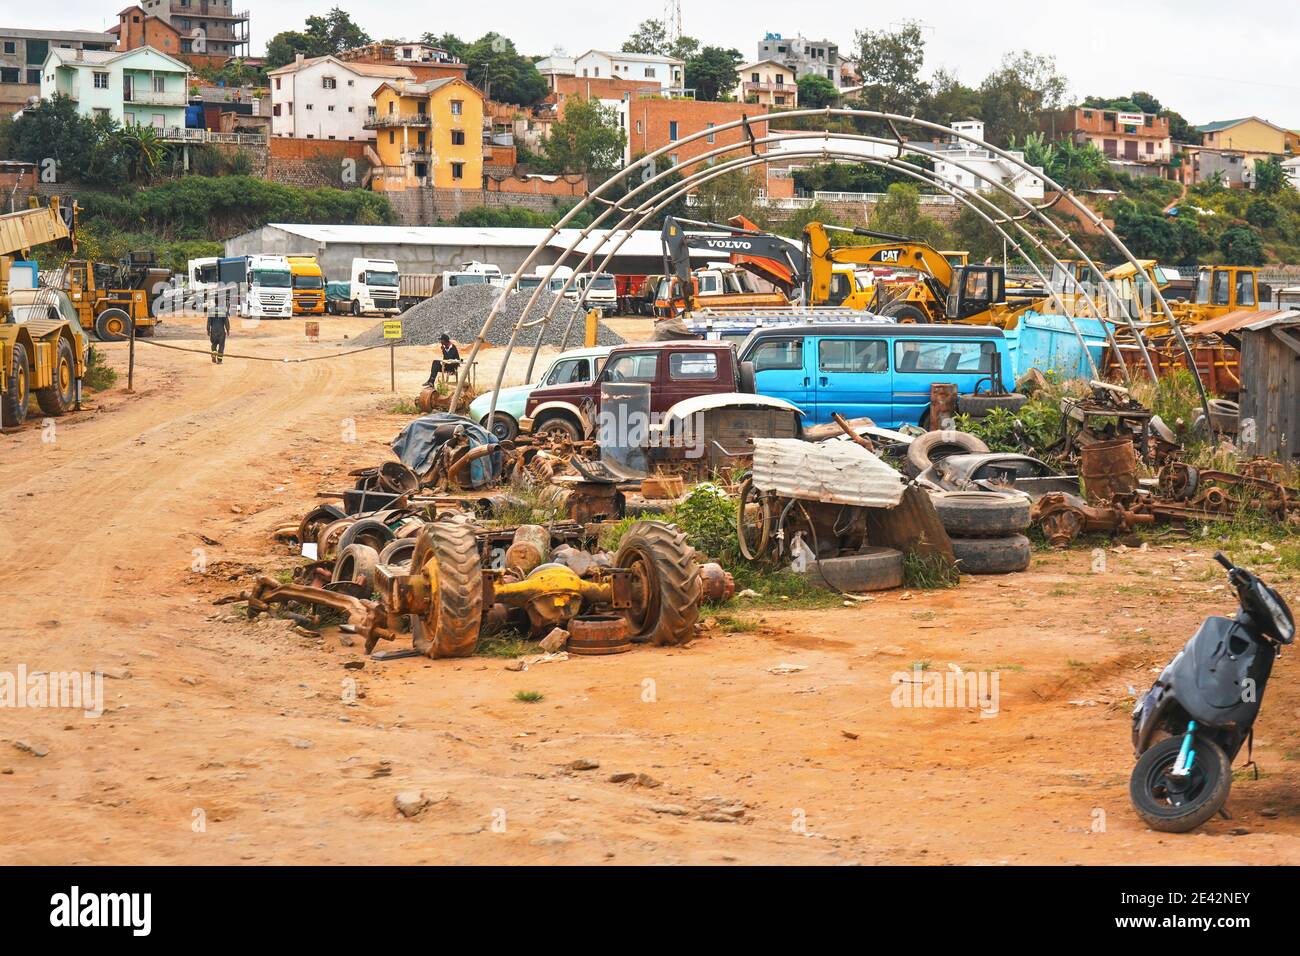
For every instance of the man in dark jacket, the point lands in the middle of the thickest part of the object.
(218, 329)
(449, 363)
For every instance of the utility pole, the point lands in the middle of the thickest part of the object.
(673, 20)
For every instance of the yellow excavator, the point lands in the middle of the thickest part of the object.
(42, 352)
(943, 291)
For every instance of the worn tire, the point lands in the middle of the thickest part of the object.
(356, 564)
(936, 446)
(558, 424)
(977, 406)
(504, 427)
(873, 569)
(666, 583)
(398, 551)
(368, 531)
(981, 514)
(314, 521)
(1160, 814)
(748, 383)
(454, 546)
(1224, 415)
(113, 325)
(61, 396)
(906, 313)
(991, 555)
(14, 401)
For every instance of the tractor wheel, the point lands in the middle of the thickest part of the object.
(449, 628)
(59, 398)
(561, 426)
(665, 583)
(906, 313)
(113, 325)
(13, 403)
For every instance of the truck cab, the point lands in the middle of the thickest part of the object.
(674, 371)
(375, 287)
(265, 283)
(597, 290)
(308, 285)
(1224, 289)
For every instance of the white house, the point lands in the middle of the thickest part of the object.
(982, 167)
(143, 86)
(669, 72)
(1291, 169)
(327, 98)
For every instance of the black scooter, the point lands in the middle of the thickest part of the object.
(1191, 724)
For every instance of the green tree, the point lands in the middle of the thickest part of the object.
(900, 213)
(143, 150)
(947, 99)
(587, 140)
(1270, 177)
(497, 69)
(1241, 246)
(1015, 93)
(889, 62)
(650, 37)
(816, 91)
(446, 41)
(712, 72)
(331, 34)
(734, 193)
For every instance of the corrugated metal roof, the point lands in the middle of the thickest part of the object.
(643, 242)
(834, 472)
(1239, 319)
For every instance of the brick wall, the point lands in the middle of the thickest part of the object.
(568, 186)
(650, 125)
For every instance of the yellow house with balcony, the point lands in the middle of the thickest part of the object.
(428, 135)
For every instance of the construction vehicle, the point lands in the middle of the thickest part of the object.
(41, 350)
(975, 295)
(308, 285)
(110, 298)
(751, 252)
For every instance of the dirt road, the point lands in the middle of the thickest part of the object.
(229, 742)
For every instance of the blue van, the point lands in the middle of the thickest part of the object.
(880, 371)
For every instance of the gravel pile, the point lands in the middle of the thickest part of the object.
(461, 311)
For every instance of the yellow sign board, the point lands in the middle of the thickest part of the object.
(393, 329)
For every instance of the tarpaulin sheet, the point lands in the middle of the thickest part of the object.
(832, 471)
(419, 441)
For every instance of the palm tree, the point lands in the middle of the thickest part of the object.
(144, 150)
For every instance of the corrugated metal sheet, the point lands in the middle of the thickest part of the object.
(836, 472)
(1233, 321)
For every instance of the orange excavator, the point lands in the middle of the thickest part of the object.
(750, 251)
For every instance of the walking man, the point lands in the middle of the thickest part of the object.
(449, 363)
(218, 329)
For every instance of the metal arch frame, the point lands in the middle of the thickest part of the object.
(648, 162)
(696, 178)
(919, 173)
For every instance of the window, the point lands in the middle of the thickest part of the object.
(947, 357)
(351, 108)
(852, 355)
(275, 109)
(633, 367)
(458, 137)
(1245, 289)
(310, 106)
(569, 372)
(11, 46)
(277, 82)
(457, 107)
(650, 72)
(753, 78)
(101, 81)
(689, 366)
(330, 108)
(33, 76)
(329, 83)
(779, 354)
(779, 98)
(672, 129)
(159, 84)
(1221, 285)
(780, 79)
(391, 138)
(457, 170)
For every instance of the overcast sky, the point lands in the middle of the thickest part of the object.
(1205, 58)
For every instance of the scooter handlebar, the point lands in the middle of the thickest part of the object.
(1223, 560)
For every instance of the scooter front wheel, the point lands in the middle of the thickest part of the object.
(1178, 804)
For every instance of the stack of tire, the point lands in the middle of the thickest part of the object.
(987, 530)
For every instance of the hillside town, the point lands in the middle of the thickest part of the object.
(752, 449)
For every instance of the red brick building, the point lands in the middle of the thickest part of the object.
(655, 122)
(135, 29)
(1136, 143)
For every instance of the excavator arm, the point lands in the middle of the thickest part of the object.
(778, 260)
(899, 252)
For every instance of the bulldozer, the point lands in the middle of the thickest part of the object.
(110, 298)
(942, 292)
(41, 351)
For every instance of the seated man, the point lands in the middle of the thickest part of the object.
(449, 364)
